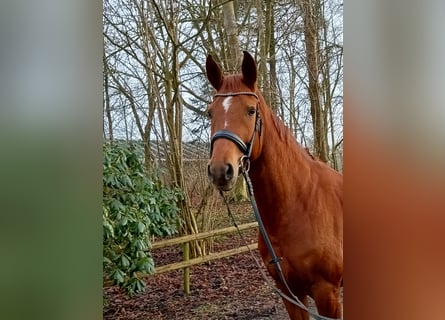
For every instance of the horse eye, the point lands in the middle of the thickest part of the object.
(209, 114)
(251, 111)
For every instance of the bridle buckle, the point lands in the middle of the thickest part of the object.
(244, 164)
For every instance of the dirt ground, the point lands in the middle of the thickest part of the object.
(227, 288)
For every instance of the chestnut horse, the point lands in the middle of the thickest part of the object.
(299, 197)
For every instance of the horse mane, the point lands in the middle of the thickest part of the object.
(284, 132)
(310, 154)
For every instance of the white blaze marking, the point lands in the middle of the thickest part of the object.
(226, 106)
(226, 103)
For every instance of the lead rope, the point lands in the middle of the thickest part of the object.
(275, 260)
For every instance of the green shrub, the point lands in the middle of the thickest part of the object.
(135, 207)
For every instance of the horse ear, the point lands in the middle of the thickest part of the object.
(214, 73)
(249, 70)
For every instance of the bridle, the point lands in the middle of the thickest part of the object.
(244, 164)
(246, 149)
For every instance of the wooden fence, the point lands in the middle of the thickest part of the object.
(186, 262)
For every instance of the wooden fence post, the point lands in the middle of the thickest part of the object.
(186, 270)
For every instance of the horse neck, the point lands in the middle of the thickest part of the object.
(282, 170)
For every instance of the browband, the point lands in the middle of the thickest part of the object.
(230, 94)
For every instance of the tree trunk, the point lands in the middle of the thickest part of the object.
(262, 78)
(319, 119)
(272, 86)
(233, 48)
(107, 104)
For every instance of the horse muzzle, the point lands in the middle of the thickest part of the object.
(222, 175)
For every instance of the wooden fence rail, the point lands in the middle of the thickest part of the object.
(203, 235)
(186, 262)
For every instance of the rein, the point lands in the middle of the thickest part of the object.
(274, 259)
(245, 166)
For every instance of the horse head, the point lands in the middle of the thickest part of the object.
(235, 121)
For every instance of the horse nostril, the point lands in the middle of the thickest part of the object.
(209, 172)
(229, 172)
